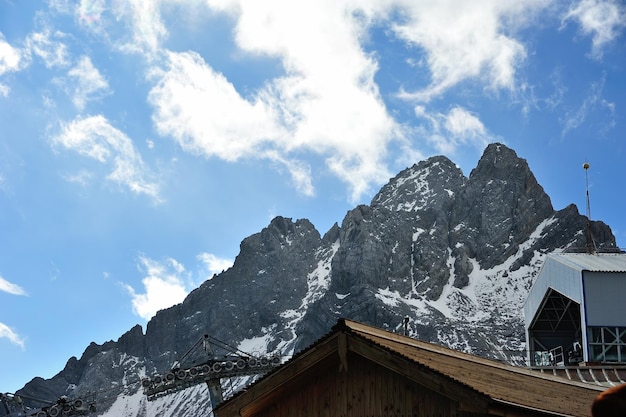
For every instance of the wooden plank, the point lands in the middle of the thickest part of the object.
(274, 384)
(495, 380)
(469, 399)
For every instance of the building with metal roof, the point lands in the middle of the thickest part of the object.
(358, 370)
(575, 312)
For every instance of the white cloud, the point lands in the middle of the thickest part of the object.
(93, 16)
(602, 20)
(326, 102)
(205, 113)
(163, 285)
(6, 332)
(87, 82)
(466, 40)
(95, 138)
(146, 28)
(82, 178)
(167, 283)
(9, 61)
(54, 53)
(214, 264)
(11, 288)
(448, 132)
(9, 57)
(88, 12)
(300, 172)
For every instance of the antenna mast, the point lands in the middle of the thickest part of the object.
(591, 245)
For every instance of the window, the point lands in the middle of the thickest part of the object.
(607, 344)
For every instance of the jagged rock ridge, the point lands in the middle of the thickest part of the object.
(455, 254)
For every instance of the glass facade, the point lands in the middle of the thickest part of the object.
(607, 344)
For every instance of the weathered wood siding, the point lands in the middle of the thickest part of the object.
(364, 390)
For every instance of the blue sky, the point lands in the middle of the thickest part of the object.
(142, 140)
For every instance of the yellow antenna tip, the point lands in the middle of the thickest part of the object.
(586, 165)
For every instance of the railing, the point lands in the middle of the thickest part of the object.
(552, 357)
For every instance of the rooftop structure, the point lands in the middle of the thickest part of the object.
(575, 312)
(359, 370)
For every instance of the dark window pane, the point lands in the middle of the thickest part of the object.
(595, 353)
(611, 353)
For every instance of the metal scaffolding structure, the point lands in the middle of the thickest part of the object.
(216, 366)
(12, 405)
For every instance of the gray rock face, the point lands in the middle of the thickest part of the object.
(501, 206)
(456, 255)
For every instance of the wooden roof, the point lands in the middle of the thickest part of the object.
(477, 384)
(502, 383)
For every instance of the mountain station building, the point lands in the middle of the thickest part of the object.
(575, 313)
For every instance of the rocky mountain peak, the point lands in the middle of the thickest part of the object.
(428, 183)
(496, 162)
(455, 254)
(500, 207)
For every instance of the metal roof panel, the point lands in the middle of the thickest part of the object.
(598, 262)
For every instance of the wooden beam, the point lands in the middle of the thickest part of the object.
(342, 349)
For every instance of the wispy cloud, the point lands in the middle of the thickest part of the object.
(87, 82)
(164, 286)
(89, 12)
(82, 177)
(95, 138)
(214, 264)
(593, 101)
(148, 30)
(603, 20)
(465, 40)
(547, 95)
(46, 46)
(167, 282)
(11, 288)
(447, 132)
(8, 333)
(141, 17)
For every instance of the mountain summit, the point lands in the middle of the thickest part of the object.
(456, 255)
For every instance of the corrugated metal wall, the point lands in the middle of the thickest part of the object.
(605, 298)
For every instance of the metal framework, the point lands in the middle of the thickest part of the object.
(555, 333)
(233, 363)
(13, 406)
(607, 344)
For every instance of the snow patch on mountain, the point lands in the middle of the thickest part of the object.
(318, 282)
(415, 183)
(193, 401)
(256, 345)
